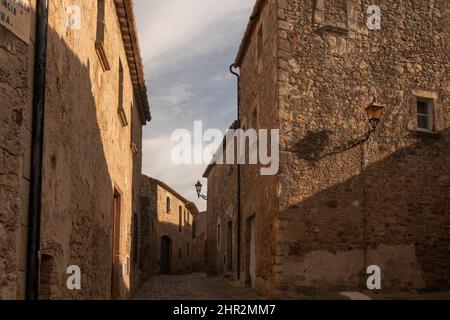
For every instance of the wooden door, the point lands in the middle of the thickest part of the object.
(166, 255)
(116, 267)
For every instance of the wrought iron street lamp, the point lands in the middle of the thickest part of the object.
(198, 188)
(374, 113)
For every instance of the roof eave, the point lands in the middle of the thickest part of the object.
(254, 17)
(127, 22)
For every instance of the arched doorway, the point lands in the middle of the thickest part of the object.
(166, 255)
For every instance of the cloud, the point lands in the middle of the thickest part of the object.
(187, 48)
(170, 24)
(157, 163)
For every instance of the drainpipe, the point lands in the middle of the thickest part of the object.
(34, 215)
(238, 191)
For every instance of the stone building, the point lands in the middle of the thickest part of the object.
(167, 230)
(80, 205)
(199, 233)
(222, 217)
(345, 197)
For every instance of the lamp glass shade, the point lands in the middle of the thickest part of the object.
(198, 187)
(375, 111)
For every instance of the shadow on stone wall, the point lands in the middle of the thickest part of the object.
(395, 214)
(78, 190)
(15, 142)
(179, 264)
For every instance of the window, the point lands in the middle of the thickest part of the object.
(255, 119)
(133, 145)
(332, 16)
(259, 49)
(180, 253)
(219, 231)
(424, 114)
(100, 37)
(188, 218)
(116, 260)
(120, 109)
(100, 21)
(180, 214)
(168, 205)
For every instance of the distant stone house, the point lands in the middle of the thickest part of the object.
(343, 199)
(167, 230)
(199, 234)
(80, 205)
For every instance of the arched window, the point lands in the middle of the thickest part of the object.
(168, 205)
(180, 214)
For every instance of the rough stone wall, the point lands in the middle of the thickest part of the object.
(146, 228)
(166, 224)
(199, 234)
(16, 70)
(221, 210)
(259, 111)
(387, 202)
(87, 155)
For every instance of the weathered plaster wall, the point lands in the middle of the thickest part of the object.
(388, 202)
(16, 85)
(222, 203)
(87, 155)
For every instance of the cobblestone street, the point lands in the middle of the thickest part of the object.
(198, 286)
(193, 287)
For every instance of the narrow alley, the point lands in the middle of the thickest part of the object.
(294, 149)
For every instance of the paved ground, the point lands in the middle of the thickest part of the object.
(193, 287)
(200, 287)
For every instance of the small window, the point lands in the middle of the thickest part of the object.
(424, 115)
(180, 253)
(100, 21)
(255, 119)
(219, 231)
(180, 215)
(100, 36)
(120, 109)
(259, 49)
(168, 205)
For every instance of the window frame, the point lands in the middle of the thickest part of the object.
(120, 102)
(429, 115)
(259, 48)
(168, 205)
(180, 219)
(218, 233)
(100, 35)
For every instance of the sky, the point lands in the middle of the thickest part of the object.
(187, 47)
